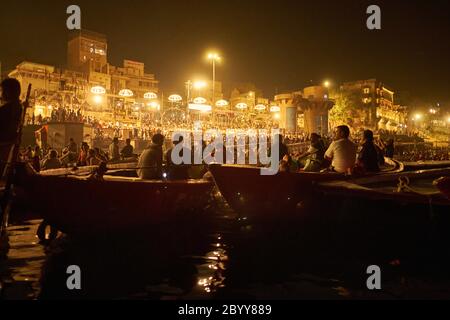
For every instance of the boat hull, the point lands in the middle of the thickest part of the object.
(279, 196)
(412, 209)
(80, 205)
(253, 195)
(443, 184)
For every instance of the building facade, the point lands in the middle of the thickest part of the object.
(305, 110)
(370, 96)
(87, 68)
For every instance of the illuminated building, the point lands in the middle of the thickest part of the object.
(133, 77)
(87, 51)
(305, 110)
(371, 96)
(87, 67)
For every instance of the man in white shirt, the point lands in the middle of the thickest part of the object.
(342, 152)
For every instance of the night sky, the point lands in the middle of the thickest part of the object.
(278, 45)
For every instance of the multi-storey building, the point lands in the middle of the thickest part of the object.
(369, 96)
(304, 110)
(87, 51)
(132, 76)
(87, 67)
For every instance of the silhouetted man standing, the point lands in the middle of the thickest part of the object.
(10, 113)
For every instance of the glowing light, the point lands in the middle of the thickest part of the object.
(417, 116)
(275, 109)
(326, 84)
(242, 106)
(448, 119)
(276, 116)
(200, 100)
(175, 98)
(200, 107)
(39, 110)
(260, 107)
(214, 56)
(150, 95)
(154, 105)
(222, 103)
(98, 90)
(97, 99)
(199, 84)
(433, 111)
(126, 93)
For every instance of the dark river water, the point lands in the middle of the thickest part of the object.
(226, 259)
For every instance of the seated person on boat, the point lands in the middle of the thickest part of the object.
(127, 151)
(93, 158)
(177, 171)
(368, 156)
(282, 147)
(288, 164)
(52, 162)
(315, 154)
(342, 151)
(151, 159)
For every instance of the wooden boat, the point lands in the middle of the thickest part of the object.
(75, 203)
(251, 194)
(124, 169)
(413, 187)
(443, 184)
(425, 165)
(402, 212)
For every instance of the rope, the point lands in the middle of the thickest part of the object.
(403, 186)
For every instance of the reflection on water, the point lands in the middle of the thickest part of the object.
(226, 259)
(21, 272)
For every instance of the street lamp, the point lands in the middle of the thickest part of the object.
(222, 103)
(241, 106)
(98, 90)
(275, 109)
(154, 105)
(199, 85)
(200, 100)
(175, 98)
(127, 93)
(214, 57)
(97, 99)
(326, 84)
(260, 107)
(150, 96)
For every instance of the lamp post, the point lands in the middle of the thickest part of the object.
(214, 57)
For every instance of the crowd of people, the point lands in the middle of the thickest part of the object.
(341, 154)
(363, 153)
(427, 154)
(338, 153)
(74, 155)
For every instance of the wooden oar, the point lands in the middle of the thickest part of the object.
(8, 173)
